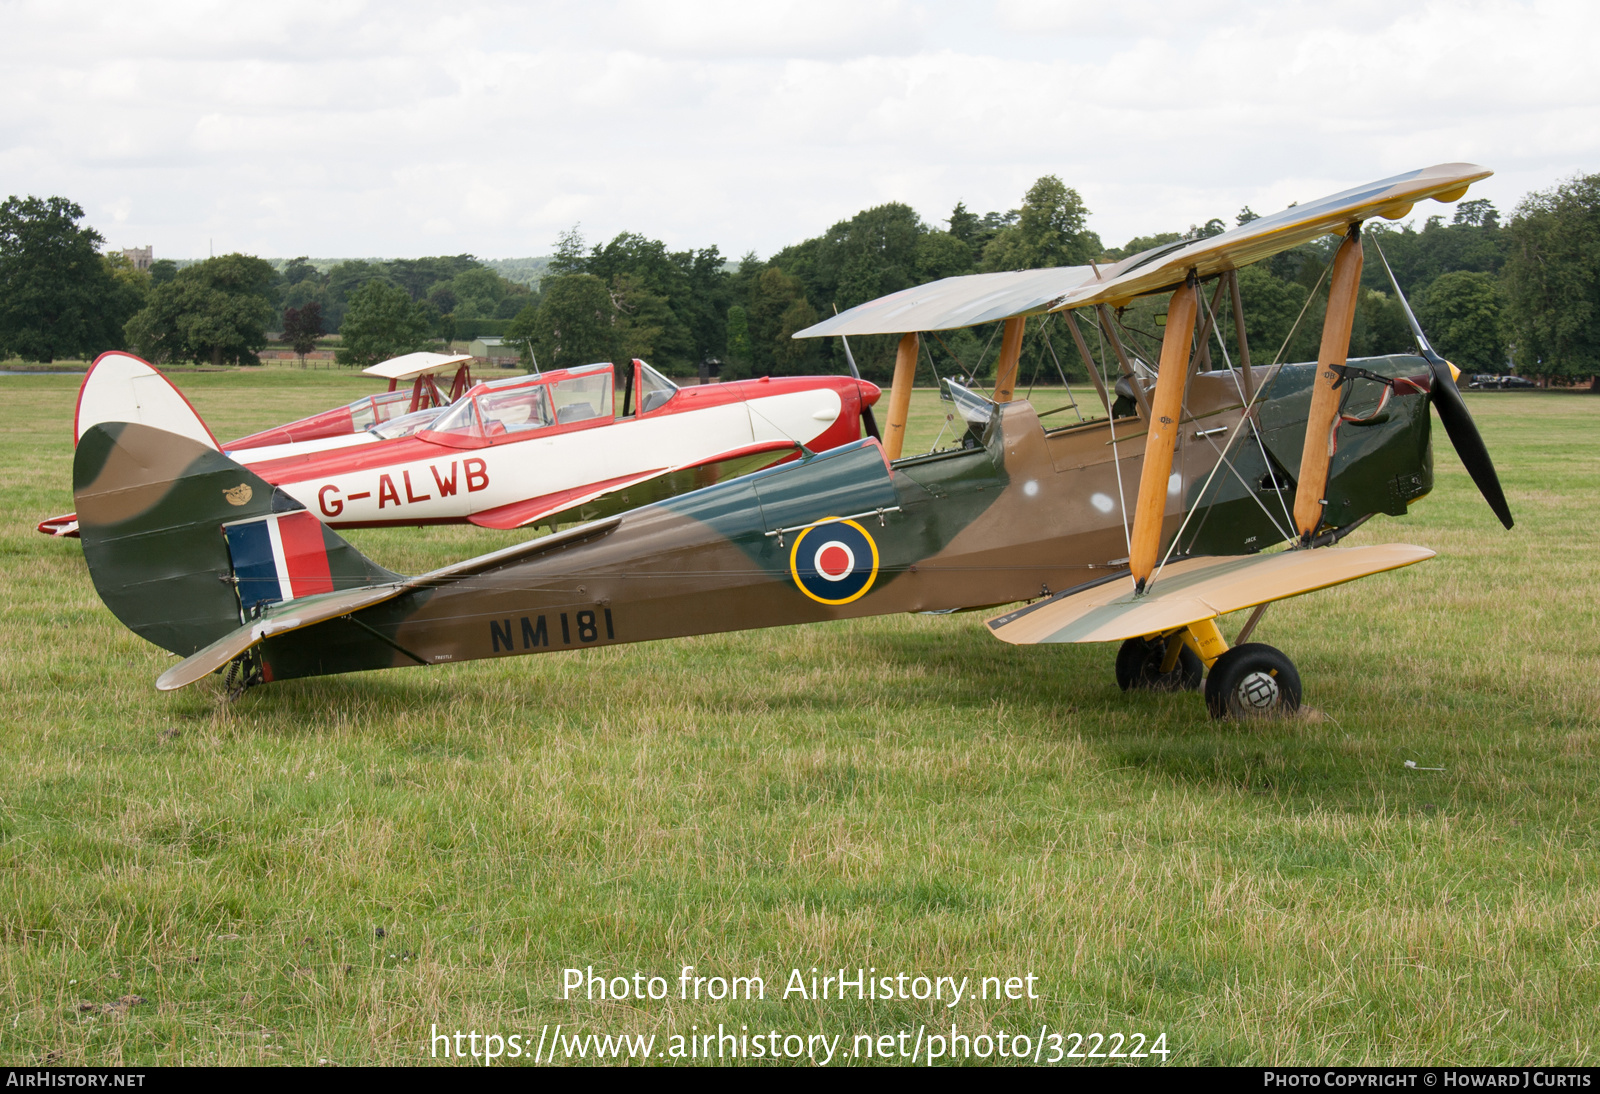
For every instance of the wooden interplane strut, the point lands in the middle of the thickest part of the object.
(905, 374)
(1312, 483)
(1166, 408)
(1005, 373)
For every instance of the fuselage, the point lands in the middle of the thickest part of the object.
(449, 472)
(1025, 513)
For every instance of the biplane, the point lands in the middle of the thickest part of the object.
(566, 445)
(413, 387)
(1227, 487)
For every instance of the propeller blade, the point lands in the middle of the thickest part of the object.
(870, 423)
(1468, 444)
(850, 358)
(1452, 408)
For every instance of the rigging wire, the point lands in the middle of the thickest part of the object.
(1222, 454)
(1116, 458)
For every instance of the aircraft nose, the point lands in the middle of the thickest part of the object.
(869, 392)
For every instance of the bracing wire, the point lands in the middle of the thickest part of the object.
(1222, 454)
(1111, 422)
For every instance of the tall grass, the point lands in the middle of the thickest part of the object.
(904, 793)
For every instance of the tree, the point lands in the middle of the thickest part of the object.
(569, 257)
(573, 325)
(382, 322)
(738, 349)
(1049, 231)
(1552, 278)
(942, 254)
(772, 317)
(302, 327)
(342, 283)
(58, 296)
(215, 311)
(1461, 313)
(639, 317)
(522, 332)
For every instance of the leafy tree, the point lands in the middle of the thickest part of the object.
(163, 270)
(569, 257)
(1461, 312)
(302, 327)
(522, 332)
(1139, 244)
(1049, 231)
(573, 325)
(1270, 307)
(738, 350)
(639, 318)
(215, 311)
(298, 270)
(342, 283)
(381, 322)
(478, 293)
(1552, 278)
(942, 254)
(772, 318)
(58, 296)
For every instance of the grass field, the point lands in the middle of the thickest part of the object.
(326, 869)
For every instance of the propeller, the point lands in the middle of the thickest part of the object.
(1452, 410)
(867, 419)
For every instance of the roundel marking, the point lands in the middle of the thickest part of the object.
(834, 561)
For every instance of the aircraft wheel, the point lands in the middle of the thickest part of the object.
(1139, 667)
(1253, 681)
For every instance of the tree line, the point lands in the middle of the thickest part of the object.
(1494, 297)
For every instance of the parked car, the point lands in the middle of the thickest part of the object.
(1499, 383)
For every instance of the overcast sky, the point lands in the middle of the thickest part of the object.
(349, 128)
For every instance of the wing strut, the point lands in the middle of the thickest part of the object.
(905, 373)
(1005, 373)
(1165, 411)
(1312, 482)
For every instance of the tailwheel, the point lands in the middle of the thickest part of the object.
(1253, 681)
(1139, 663)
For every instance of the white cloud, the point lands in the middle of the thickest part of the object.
(352, 128)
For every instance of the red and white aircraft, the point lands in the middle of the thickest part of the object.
(528, 450)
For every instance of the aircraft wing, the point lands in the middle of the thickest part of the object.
(954, 302)
(1390, 198)
(1194, 589)
(613, 496)
(413, 365)
(986, 298)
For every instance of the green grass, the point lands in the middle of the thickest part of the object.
(904, 793)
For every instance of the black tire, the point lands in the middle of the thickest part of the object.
(1139, 667)
(1253, 681)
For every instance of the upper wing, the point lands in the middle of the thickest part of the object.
(613, 496)
(985, 298)
(956, 302)
(1390, 198)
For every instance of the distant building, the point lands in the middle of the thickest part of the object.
(141, 257)
(495, 349)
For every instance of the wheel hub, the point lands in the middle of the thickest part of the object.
(1258, 691)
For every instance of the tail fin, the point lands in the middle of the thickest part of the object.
(184, 545)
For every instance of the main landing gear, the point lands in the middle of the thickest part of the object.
(1248, 681)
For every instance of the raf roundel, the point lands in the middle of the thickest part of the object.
(834, 562)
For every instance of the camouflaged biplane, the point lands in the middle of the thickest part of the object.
(1142, 526)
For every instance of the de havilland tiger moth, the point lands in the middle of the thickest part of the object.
(1141, 529)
